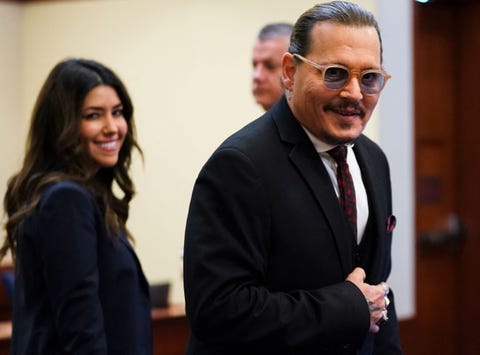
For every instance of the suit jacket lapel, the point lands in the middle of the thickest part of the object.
(144, 281)
(373, 183)
(310, 166)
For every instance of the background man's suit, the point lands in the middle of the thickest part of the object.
(268, 247)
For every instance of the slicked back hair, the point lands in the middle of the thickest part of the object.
(339, 12)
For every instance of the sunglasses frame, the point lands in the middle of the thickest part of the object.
(358, 73)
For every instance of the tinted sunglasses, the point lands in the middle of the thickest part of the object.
(336, 76)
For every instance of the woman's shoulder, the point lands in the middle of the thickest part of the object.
(63, 187)
(65, 190)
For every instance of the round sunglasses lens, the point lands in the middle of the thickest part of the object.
(372, 82)
(335, 77)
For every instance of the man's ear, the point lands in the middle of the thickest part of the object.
(288, 71)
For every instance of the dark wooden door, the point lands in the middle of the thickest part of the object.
(468, 167)
(447, 153)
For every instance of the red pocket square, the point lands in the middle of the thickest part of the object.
(391, 223)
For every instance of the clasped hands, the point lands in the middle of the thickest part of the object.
(376, 296)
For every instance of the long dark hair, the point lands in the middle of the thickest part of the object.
(55, 152)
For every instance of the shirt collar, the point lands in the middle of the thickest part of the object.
(320, 146)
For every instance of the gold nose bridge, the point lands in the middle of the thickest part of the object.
(353, 73)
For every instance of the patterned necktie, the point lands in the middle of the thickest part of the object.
(345, 185)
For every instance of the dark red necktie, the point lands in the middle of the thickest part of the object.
(345, 185)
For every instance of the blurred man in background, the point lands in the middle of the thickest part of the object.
(271, 43)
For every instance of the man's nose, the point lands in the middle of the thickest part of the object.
(353, 89)
(258, 72)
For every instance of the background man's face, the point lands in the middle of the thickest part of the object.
(267, 68)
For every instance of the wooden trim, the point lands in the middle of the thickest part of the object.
(5, 307)
(408, 334)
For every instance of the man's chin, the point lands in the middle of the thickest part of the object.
(342, 137)
(264, 104)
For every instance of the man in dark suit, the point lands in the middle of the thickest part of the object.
(272, 263)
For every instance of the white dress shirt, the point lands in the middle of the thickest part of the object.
(331, 166)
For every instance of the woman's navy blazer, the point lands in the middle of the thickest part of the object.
(77, 291)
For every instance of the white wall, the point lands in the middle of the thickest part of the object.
(396, 138)
(11, 126)
(187, 65)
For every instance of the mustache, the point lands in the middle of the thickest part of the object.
(346, 106)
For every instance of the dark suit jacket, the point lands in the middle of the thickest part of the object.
(76, 290)
(268, 247)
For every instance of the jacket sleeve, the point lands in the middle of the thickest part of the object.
(68, 250)
(226, 254)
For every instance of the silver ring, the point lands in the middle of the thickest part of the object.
(387, 301)
(386, 289)
(384, 315)
(384, 318)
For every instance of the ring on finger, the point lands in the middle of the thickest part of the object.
(386, 289)
(384, 316)
(387, 301)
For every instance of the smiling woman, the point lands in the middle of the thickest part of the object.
(103, 127)
(65, 227)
